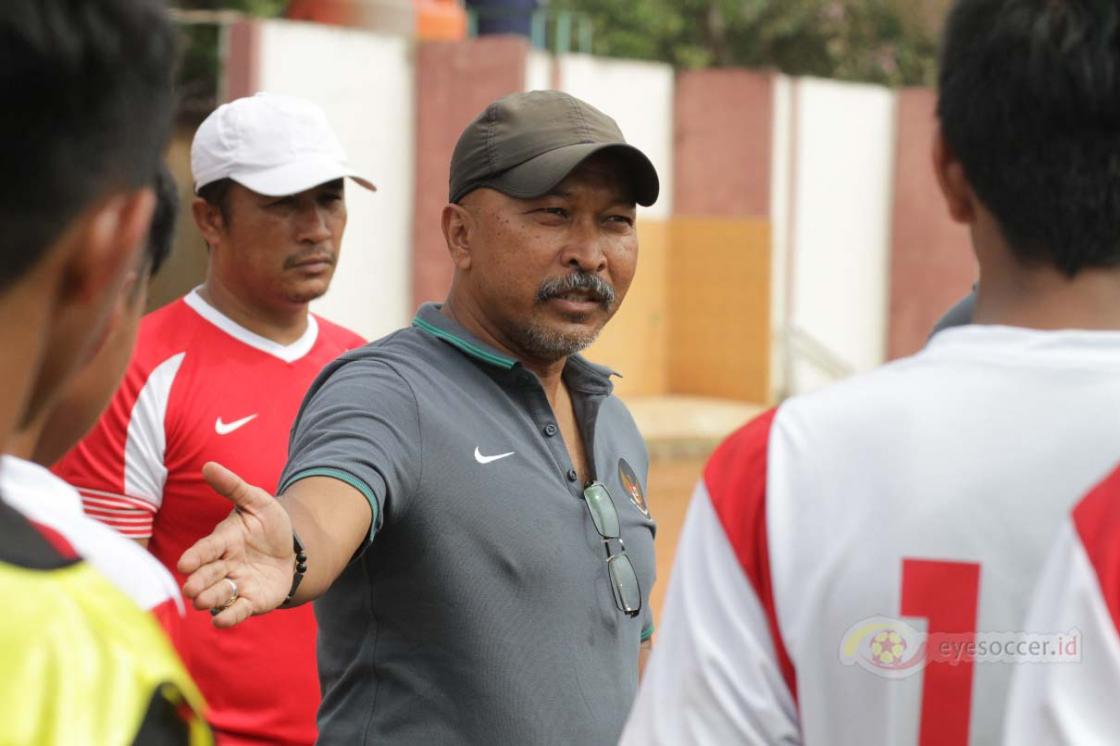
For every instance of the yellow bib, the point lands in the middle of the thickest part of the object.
(81, 664)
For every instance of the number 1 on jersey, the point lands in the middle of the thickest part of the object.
(947, 595)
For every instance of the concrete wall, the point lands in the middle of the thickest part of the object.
(799, 235)
(931, 264)
(782, 157)
(455, 82)
(839, 218)
(720, 286)
(639, 96)
(723, 143)
(364, 82)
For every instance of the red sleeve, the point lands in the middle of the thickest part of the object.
(118, 466)
(735, 478)
(1097, 520)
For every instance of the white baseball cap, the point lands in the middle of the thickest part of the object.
(275, 145)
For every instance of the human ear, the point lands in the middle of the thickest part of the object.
(959, 197)
(103, 248)
(209, 220)
(458, 229)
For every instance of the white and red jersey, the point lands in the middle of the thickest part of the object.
(202, 388)
(47, 501)
(1076, 703)
(832, 540)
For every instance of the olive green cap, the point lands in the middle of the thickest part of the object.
(525, 144)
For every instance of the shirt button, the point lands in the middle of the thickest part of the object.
(550, 429)
(572, 475)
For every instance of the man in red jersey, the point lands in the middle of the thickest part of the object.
(219, 375)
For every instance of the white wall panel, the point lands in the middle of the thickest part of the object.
(781, 156)
(840, 217)
(538, 71)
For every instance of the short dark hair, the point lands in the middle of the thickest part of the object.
(162, 233)
(87, 110)
(1029, 103)
(216, 193)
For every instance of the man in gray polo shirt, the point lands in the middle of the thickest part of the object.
(466, 495)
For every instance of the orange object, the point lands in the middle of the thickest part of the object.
(442, 20)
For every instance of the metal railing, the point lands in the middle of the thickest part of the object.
(568, 30)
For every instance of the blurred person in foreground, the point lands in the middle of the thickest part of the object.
(219, 375)
(87, 110)
(29, 486)
(465, 498)
(849, 557)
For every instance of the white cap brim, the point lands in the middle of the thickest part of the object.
(296, 177)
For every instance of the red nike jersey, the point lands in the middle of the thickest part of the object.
(202, 388)
(1079, 592)
(856, 567)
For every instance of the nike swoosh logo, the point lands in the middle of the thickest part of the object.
(225, 428)
(487, 459)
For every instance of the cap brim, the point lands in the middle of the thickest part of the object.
(298, 176)
(536, 176)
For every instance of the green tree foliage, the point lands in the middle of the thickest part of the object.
(199, 63)
(266, 8)
(881, 41)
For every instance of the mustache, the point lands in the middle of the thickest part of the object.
(597, 289)
(308, 256)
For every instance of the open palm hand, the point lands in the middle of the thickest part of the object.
(248, 557)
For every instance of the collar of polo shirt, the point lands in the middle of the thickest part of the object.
(431, 319)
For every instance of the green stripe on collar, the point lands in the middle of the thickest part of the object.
(471, 349)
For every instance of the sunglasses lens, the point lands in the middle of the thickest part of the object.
(602, 510)
(624, 582)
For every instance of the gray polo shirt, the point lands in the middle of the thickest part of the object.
(480, 611)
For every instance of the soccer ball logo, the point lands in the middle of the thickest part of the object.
(887, 648)
(884, 646)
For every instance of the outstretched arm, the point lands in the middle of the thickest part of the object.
(253, 546)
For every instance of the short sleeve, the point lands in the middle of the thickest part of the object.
(1071, 698)
(720, 672)
(359, 423)
(118, 467)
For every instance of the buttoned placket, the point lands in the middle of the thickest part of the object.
(540, 412)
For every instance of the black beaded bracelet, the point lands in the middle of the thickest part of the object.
(300, 568)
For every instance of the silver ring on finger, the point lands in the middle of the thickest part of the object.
(233, 596)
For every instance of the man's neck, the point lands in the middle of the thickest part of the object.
(470, 318)
(283, 326)
(1047, 299)
(22, 443)
(24, 313)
